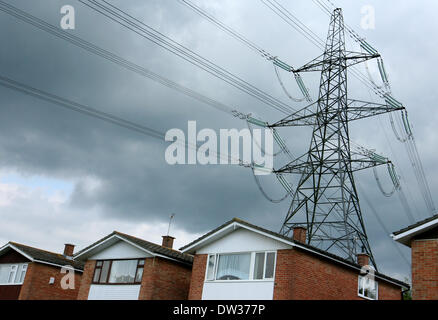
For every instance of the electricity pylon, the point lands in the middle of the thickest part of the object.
(325, 200)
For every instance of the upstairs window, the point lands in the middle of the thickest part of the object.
(118, 271)
(12, 273)
(264, 265)
(233, 266)
(241, 266)
(368, 288)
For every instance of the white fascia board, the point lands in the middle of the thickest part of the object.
(147, 251)
(110, 238)
(132, 244)
(234, 226)
(410, 233)
(19, 251)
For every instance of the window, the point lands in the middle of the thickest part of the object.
(123, 271)
(118, 271)
(210, 267)
(241, 266)
(264, 265)
(12, 273)
(22, 273)
(233, 266)
(368, 288)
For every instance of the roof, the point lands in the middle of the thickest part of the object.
(299, 245)
(43, 256)
(405, 235)
(147, 246)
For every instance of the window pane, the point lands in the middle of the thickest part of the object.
(361, 285)
(368, 287)
(123, 271)
(233, 267)
(141, 262)
(139, 275)
(259, 265)
(104, 272)
(210, 270)
(22, 273)
(4, 273)
(270, 262)
(98, 263)
(12, 273)
(96, 275)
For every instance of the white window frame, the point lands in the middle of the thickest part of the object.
(251, 267)
(19, 268)
(23, 269)
(13, 270)
(362, 295)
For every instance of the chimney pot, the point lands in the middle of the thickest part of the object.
(69, 249)
(299, 234)
(363, 259)
(168, 241)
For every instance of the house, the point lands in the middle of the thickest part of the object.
(120, 266)
(28, 273)
(242, 261)
(422, 238)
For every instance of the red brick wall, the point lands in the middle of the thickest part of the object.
(198, 275)
(36, 284)
(10, 292)
(425, 269)
(301, 276)
(86, 280)
(164, 279)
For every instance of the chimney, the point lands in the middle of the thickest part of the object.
(363, 259)
(69, 249)
(168, 241)
(300, 234)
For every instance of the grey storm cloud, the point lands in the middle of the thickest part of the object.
(133, 181)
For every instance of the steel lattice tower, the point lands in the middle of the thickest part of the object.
(326, 199)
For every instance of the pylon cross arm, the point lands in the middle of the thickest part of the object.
(351, 58)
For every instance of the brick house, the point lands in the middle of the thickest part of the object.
(123, 267)
(28, 273)
(242, 261)
(422, 238)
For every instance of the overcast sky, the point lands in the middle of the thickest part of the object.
(65, 177)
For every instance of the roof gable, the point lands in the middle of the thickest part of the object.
(147, 247)
(42, 256)
(405, 235)
(228, 228)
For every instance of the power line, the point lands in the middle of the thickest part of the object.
(385, 229)
(126, 20)
(95, 113)
(109, 56)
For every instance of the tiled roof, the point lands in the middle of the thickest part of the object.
(158, 249)
(47, 256)
(418, 224)
(149, 246)
(306, 246)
